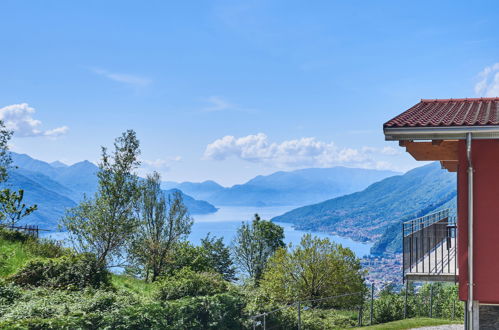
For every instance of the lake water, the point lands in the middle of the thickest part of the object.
(226, 220)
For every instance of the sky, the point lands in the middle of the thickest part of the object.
(227, 90)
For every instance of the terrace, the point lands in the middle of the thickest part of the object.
(429, 248)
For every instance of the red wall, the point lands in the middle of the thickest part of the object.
(485, 156)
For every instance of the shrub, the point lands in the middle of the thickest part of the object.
(67, 272)
(14, 235)
(46, 248)
(186, 283)
(8, 293)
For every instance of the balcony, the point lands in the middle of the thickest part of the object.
(429, 248)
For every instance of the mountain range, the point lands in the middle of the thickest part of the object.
(300, 187)
(375, 213)
(54, 187)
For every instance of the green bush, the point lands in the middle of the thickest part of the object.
(14, 235)
(68, 272)
(187, 283)
(46, 248)
(8, 293)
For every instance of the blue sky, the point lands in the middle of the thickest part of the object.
(227, 90)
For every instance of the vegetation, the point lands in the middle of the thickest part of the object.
(163, 223)
(315, 269)
(103, 224)
(170, 283)
(254, 244)
(411, 324)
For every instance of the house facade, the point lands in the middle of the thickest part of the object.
(462, 246)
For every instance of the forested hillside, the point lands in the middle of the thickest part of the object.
(367, 215)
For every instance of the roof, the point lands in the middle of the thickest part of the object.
(449, 113)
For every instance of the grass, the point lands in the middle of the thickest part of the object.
(13, 255)
(411, 323)
(132, 284)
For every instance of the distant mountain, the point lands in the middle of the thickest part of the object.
(367, 215)
(55, 187)
(58, 164)
(203, 190)
(298, 187)
(47, 194)
(193, 205)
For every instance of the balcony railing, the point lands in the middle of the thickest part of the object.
(429, 248)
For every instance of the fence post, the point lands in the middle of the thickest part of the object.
(254, 323)
(264, 321)
(405, 298)
(360, 315)
(431, 300)
(299, 315)
(372, 304)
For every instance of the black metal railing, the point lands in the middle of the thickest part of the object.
(429, 245)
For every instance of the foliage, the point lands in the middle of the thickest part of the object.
(13, 235)
(411, 324)
(102, 225)
(317, 268)
(389, 306)
(163, 223)
(219, 257)
(254, 244)
(5, 159)
(187, 283)
(12, 208)
(66, 272)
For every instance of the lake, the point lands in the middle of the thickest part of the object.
(227, 219)
(225, 222)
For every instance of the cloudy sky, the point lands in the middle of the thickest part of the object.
(227, 90)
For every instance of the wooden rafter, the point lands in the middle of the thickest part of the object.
(451, 166)
(444, 151)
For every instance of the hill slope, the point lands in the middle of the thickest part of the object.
(54, 187)
(298, 187)
(366, 215)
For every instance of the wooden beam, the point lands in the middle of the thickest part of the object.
(451, 166)
(446, 150)
(436, 142)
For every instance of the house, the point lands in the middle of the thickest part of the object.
(463, 134)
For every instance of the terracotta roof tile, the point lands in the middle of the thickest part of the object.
(449, 112)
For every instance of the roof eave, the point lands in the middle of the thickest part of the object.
(440, 133)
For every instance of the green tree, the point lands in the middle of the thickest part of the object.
(254, 244)
(164, 223)
(5, 159)
(218, 255)
(314, 269)
(12, 208)
(103, 224)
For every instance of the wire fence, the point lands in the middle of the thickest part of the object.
(386, 303)
(31, 230)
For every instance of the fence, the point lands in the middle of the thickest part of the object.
(429, 247)
(380, 305)
(268, 320)
(31, 230)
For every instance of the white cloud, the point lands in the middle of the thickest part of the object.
(488, 81)
(129, 79)
(304, 152)
(19, 118)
